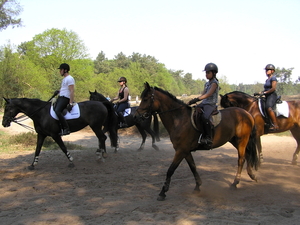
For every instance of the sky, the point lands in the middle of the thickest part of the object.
(240, 36)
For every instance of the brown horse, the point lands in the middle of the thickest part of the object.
(236, 126)
(250, 103)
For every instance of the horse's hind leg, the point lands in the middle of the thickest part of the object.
(144, 136)
(152, 133)
(296, 134)
(39, 144)
(101, 152)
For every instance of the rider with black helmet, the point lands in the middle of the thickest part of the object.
(123, 103)
(209, 100)
(271, 95)
(66, 97)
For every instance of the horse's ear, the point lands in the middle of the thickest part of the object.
(95, 91)
(221, 96)
(90, 92)
(147, 86)
(6, 100)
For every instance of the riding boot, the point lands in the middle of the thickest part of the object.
(64, 127)
(274, 120)
(122, 120)
(207, 136)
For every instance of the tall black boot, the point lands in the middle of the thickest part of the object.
(207, 136)
(64, 125)
(122, 120)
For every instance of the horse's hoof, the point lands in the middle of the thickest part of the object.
(140, 149)
(161, 198)
(104, 155)
(294, 163)
(155, 147)
(233, 187)
(31, 167)
(116, 150)
(71, 165)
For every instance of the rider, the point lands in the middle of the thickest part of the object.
(209, 103)
(66, 97)
(271, 95)
(123, 102)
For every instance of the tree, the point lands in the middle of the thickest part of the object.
(9, 10)
(284, 80)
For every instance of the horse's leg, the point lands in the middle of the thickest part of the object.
(296, 134)
(62, 146)
(152, 133)
(144, 136)
(101, 152)
(259, 148)
(191, 162)
(241, 148)
(176, 161)
(39, 144)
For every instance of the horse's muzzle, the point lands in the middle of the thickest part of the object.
(6, 122)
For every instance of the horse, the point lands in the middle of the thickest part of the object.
(130, 121)
(236, 127)
(94, 114)
(250, 103)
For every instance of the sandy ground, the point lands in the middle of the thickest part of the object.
(124, 188)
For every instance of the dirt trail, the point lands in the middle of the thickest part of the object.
(124, 188)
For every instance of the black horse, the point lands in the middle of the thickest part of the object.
(94, 114)
(131, 121)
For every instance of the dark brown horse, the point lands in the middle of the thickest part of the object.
(250, 103)
(236, 126)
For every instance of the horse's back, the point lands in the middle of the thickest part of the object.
(236, 116)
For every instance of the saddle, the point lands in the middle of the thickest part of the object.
(280, 108)
(197, 114)
(74, 114)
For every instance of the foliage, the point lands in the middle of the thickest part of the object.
(9, 10)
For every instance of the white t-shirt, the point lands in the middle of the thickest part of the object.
(66, 82)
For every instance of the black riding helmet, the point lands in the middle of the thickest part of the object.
(270, 67)
(211, 67)
(122, 79)
(64, 66)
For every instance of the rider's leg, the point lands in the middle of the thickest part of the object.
(61, 104)
(274, 119)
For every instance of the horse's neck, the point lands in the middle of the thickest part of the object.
(30, 109)
(244, 103)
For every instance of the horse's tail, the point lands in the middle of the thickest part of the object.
(156, 127)
(111, 124)
(252, 155)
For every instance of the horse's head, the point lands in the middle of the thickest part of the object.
(10, 112)
(95, 96)
(236, 99)
(147, 105)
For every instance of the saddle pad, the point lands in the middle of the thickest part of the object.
(127, 112)
(74, 114)
(282, 109)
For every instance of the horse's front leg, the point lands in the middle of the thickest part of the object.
(101, 151)
(62, 146)
(176, 161)
(144, 136)
(296, 135)
(39, 144)
(191, 163)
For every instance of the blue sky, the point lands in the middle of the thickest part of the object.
(241, 37)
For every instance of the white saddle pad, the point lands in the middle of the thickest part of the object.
(74, 114)
(282, 109)
(127, 112)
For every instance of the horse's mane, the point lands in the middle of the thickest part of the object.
(168, 94)
(32, 100)
(240, 93)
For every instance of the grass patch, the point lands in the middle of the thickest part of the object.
(27, 141)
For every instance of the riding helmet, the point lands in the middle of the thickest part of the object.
(64, 66)
(270, 67)
(122, 79)
(211, 67)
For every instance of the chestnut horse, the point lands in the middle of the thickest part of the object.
(236, 127)
(250, 103)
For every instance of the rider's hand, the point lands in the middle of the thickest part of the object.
(193, 101)
(56, 92)
(69, 107)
